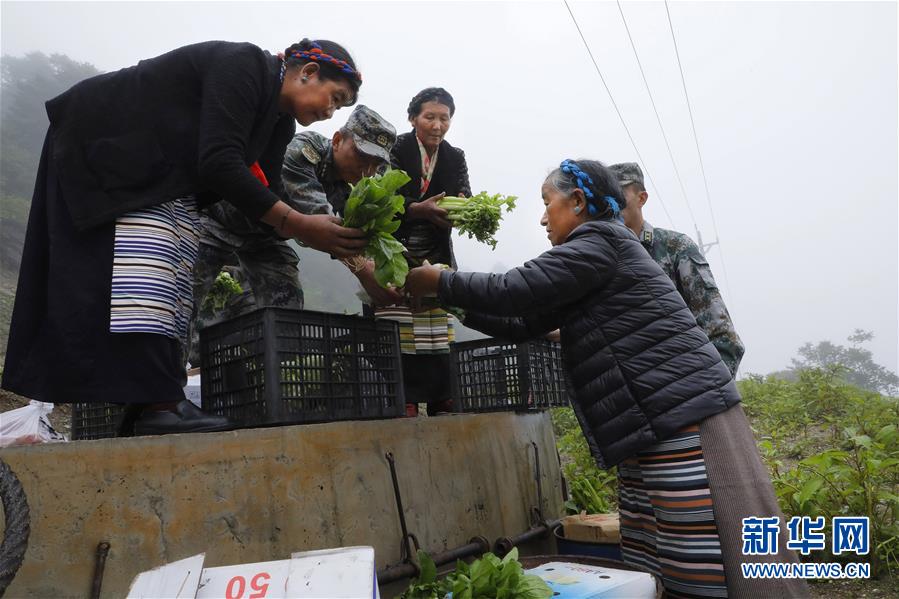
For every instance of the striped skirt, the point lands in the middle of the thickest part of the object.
(427, 332)
(667, 522)
(152, 274)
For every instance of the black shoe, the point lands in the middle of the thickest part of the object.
(184, 418)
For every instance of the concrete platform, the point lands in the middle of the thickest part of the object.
(258, 495)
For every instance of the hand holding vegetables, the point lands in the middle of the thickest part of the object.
(380, 296)
(373, 206)
(431, 211)
(423, 280)
(319, 231)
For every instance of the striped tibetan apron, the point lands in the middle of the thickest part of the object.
(427, 332)
(667, 521)
(152, 283)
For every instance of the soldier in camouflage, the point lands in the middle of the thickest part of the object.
(684, 263)
(317, 173)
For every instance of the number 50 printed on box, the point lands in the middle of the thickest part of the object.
(344, 573)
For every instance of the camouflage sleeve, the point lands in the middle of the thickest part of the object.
(700, 292)
(302, 189)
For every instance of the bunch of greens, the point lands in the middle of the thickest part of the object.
(310, 369)
(585, 497)
(478, 215)
(372, 206)
(486, 578)
(223, 289)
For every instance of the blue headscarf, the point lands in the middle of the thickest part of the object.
(585, 184)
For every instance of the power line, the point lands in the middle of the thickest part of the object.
(615, 105)
(658, 118)
(705, 180)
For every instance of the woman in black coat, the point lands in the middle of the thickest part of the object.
(651, 393)
(437, 169)
(104, 288)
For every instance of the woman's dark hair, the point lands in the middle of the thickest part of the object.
(329, 71)
(603, 183)
(431, 94)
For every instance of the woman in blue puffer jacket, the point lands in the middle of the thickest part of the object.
(650, 391)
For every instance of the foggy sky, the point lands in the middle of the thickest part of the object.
(795, 107)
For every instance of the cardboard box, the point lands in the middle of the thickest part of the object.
(580, 581)
(342, 573)
(592, 528)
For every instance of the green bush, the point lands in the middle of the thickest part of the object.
(591, 488)
(833, 450)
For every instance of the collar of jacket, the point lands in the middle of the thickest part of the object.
(406, 148)
(591, 226)
(325, 170)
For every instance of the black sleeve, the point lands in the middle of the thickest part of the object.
(557, 277)
(272, 159)
(233, 93)
(513, 329)
(462, 182)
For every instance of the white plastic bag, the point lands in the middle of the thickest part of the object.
(28, 425)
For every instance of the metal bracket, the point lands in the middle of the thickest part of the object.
(537, 518)
(99, 567)
(409, 539)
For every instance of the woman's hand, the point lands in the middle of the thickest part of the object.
(379, 295)
(324, 233)
(321, 232)
(429, 210)
(423, 281)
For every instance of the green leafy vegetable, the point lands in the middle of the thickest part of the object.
(486, 578)
(373, 206)
(478, 215)
(223, 289)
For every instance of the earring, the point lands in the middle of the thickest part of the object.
(577, 209)
(305, 79)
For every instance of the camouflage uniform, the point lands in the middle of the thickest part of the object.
(267, 262)
(684, 263)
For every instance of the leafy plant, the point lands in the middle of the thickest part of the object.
(591, 489)
(223, 289)
(372, 206)
(833, 450)
(479, 215)
(487, 578)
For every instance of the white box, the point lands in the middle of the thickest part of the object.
(342, 573)
(580, 581)
(178, 580)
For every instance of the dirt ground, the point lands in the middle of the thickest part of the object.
(885, 587)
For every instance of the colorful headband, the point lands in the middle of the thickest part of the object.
(315, 53)
(583, 180)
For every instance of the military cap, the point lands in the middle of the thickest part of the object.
(372, 133)
(627, 173)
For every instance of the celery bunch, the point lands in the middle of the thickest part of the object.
(479, 215)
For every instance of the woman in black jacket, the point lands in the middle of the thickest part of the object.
(652, 394)
(104, 290)
(437, 169)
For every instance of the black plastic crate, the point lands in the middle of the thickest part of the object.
(282, 366)
(492, 375)
(96, 420)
